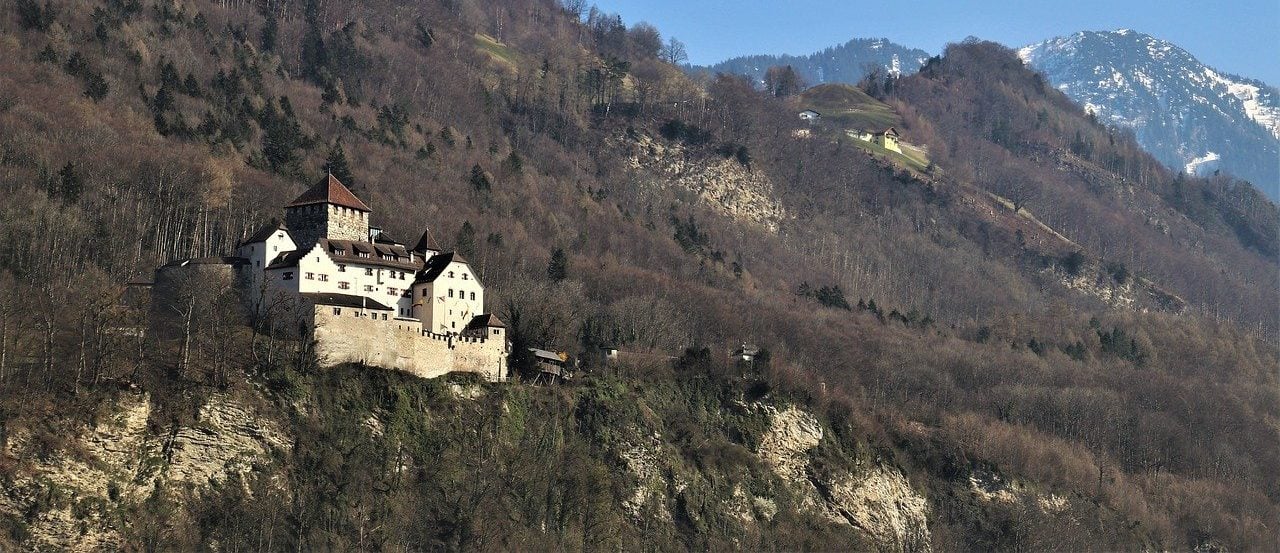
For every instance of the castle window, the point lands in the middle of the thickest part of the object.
(450, 274)
(311, 276)
(368, 288)
(324, 278)
(450, 291)
(368, 272)
(342, 268)
(337, 311)
(384, 316)
(453, 324)
(496, 332)
(464, 276)
(344, 285)
(391, 291)
(473, 295)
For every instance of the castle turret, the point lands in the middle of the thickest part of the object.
(327, 210)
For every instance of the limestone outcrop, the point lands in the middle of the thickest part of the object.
(81, 486)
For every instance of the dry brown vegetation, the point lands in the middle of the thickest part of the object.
(1166, 423)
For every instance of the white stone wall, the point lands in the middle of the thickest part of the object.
(448, 304)
(349, 335)
(260, 255)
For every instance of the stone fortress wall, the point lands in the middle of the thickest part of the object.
(309, 223)
(346, 337)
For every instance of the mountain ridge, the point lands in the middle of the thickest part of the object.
(1189, 115)
(842, 63)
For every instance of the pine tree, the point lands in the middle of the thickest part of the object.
(480, 178)
(69, 183)
(465, 243)
(336, 165)
(558, 267)
(315, 57)
(270, 30)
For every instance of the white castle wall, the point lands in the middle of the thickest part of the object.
(400, 344)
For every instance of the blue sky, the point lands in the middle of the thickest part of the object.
(1240, 37)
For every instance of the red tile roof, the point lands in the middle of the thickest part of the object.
(330, 191)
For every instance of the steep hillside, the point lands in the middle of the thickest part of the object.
(1051, 341)
(849, 107)
(1191, 117)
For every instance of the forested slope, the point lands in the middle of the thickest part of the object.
(1007, 375)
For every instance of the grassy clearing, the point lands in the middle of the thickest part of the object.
(910, 157)
(498, 51)
(845, 106)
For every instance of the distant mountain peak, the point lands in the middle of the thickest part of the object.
(1189, 115)
(843, 63)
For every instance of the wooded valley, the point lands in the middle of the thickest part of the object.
(1044, 305)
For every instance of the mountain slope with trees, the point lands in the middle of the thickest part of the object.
(977, 341)
(846, 63)
(1189, 116)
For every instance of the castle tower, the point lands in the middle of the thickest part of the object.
(327, 210)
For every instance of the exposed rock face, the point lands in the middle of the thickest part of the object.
(786, 446)
(877, 500)
(226, 439)
(992, 488)
(881, 502)
(727, 186)
(643, 460)
(80, 486)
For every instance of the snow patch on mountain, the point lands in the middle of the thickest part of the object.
(1181, 110)
(1203, 165)
(1251, 96)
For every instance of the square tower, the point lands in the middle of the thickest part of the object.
(327, 210)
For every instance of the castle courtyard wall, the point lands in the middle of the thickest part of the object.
(401, 344)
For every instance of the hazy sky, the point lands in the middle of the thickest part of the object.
(1236, 36)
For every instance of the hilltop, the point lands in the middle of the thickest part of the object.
(1051, 341)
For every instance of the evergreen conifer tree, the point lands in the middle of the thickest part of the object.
(336, 164)
(558, 267)
(465, 243)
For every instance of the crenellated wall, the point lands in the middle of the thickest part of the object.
(309, 223)
(349, 336)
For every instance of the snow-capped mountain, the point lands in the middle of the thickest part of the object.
(846, 63)
(1188, 115)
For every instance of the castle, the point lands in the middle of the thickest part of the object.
(361, 295)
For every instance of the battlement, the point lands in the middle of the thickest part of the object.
(402, 344)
